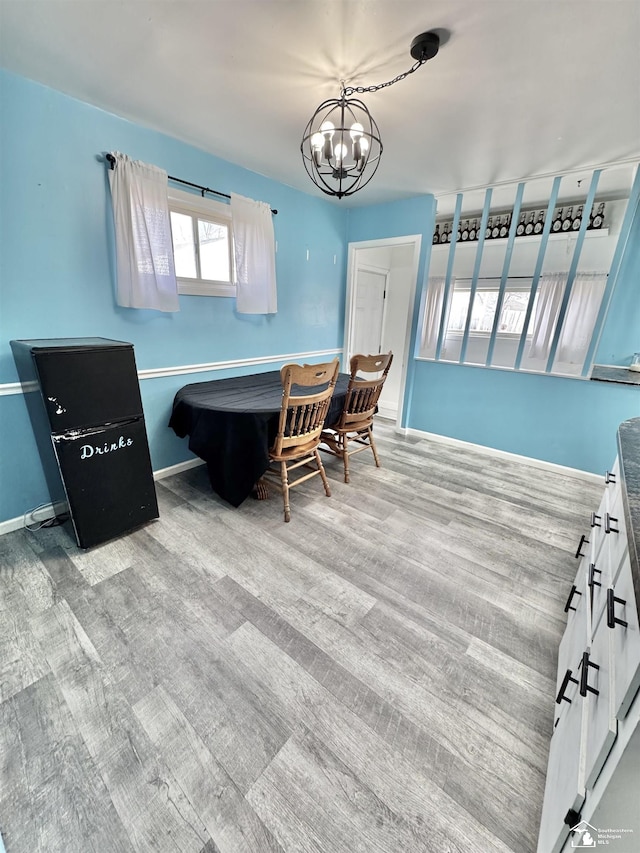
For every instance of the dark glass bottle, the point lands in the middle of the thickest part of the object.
(537, 228)
(495, 231)
(444, 238)
(489, 229)
(566, 219)
(556, 225)
(577, 220)
(473, 231)
(465, 231)
(598, 219)
(436, 234)
(504, 226)
(520, 228)
(528, 228)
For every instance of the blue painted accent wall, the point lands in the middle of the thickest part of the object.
(621, 334)
(399, 219)
(57, 266)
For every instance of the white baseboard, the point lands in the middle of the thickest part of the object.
(47, 511)
(177, 469)
(387, 411)
(505, 454)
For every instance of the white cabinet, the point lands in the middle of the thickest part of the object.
(622, 617)
(597, 714)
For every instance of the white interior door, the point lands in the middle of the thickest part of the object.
(368, 315)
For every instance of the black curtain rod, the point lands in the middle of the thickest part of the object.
(203, 190)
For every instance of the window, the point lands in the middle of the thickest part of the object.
(508, 331)
(556, 339)
(202, 245)
(514, 307)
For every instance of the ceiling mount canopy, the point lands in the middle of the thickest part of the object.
(341, 146)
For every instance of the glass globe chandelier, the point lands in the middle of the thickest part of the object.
(341, 146)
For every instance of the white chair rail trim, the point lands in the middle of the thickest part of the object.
(178, 370)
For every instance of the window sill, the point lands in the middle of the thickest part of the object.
(195, 288)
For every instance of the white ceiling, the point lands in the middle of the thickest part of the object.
(519, 88)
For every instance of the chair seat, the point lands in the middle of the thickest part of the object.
(294, 452)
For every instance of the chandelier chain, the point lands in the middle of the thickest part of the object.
(361, 90)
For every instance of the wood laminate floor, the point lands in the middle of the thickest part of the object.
(378, 675)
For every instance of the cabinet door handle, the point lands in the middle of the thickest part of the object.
(608, 519)
(574, 591)
(612, 621)
(609, 477)
(584, 675)
(565, 683)
(583, 540)
(593, 571)
(595, 520)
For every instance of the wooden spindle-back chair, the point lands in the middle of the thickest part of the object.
(356, 421)
(302, 416)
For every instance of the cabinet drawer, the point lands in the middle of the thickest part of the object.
(622, 609)
(564, 788)
(578, 622)
(596, 689)
(616, 534)
(596, 529)
(612, 478)
(597, 584)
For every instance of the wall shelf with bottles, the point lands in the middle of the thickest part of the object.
(566, 220)
(533, 238)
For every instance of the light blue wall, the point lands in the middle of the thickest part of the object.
(621, 336)
(56, 267)
(399, 219)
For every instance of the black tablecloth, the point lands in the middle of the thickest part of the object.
(231, 423)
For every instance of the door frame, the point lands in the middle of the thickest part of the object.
(414, 240)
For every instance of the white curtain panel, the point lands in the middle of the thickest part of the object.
(432, 315)
(550, 291)
(255, 255)
(580, 319)
(146, 275)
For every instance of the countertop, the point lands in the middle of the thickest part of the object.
(621, 375)
(629, 454)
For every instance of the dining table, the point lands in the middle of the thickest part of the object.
(231, 424)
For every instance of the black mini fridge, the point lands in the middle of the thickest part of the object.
(85, 407)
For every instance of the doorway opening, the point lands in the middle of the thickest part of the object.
(381, 286)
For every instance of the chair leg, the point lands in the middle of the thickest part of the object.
(344, 446)
(284, 477)
(373, 446)
(323, 473)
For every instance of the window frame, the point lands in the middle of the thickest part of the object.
(512, 284)
(218, 213)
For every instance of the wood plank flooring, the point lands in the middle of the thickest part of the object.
(377, 675)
